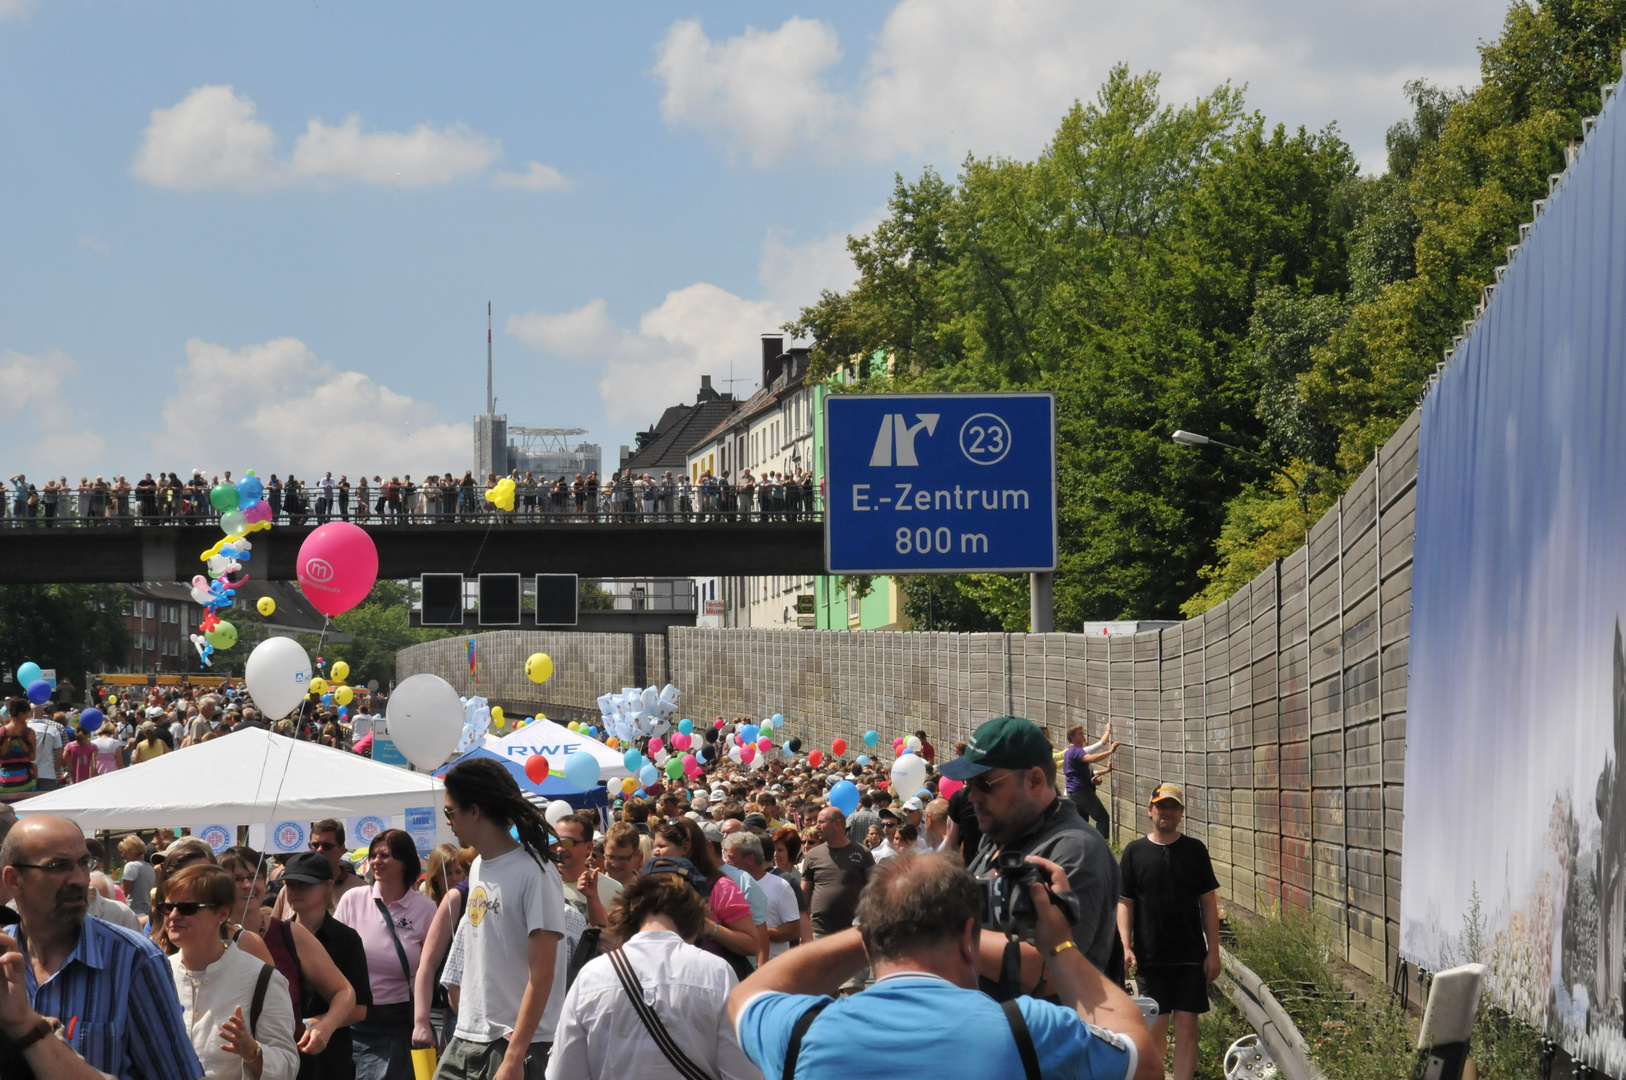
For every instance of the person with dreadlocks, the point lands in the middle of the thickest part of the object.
(513, 963)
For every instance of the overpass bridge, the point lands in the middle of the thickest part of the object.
(125, 551)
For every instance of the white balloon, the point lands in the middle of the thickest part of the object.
(278, 676)
(908, 774)
(557, 809)
(425, 720)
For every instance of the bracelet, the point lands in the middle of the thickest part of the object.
(35, 1034)
(1063, 947)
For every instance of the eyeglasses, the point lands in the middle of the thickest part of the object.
(566, 843)
(449, 811)
(184, 908)
(323, 845)
(985, 785)
(618, 859)
(889, 824)
(61, 866)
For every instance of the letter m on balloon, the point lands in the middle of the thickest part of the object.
(895, 442)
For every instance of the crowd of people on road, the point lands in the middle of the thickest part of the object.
(736, 923)
(444, 498)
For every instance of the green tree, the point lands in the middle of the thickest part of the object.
(380, 628)
(72, 628)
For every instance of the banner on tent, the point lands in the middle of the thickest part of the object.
(420, 825)
(360, 831)
(286, 837)
(218, 837)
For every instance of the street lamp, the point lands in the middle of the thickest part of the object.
(1191, 438)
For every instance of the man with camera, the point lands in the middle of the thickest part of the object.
(919, 921)
(1009, 770)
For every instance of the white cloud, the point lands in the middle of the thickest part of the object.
(210, 139)
(275, 407)
(536, 177)
(947, 77)
(91, 242)
(46, 430)
(698, 330)
(15, 9)
(761, 93)
(213, 138)
(425, 155)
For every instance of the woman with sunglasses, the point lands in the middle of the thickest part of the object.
(191, 851)
(729, 931)
(220, 986)
(393, 919)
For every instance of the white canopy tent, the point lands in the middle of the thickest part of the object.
(249, 777)
(557, 742)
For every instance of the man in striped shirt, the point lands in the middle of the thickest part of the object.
(110, 988)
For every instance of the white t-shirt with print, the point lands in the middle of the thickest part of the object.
(509, 897)
(782, 908)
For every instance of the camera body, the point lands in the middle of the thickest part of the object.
(1007, 907)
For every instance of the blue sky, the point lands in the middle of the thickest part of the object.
(263, 235)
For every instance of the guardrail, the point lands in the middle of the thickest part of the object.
(1265, 1015)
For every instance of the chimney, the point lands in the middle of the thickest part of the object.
(773, 345)
(706, 392)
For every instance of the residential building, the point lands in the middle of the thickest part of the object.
(665, 446)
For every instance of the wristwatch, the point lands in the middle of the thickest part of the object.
(259, 1053)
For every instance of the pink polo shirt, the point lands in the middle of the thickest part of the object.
(411, 915)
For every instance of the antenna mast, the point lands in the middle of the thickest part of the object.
(491, 403)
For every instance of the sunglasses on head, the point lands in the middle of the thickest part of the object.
(186, 908)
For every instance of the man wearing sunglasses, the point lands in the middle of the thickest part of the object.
(111, 989)
(1009, 770)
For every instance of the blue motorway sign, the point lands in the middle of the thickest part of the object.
(939, 483)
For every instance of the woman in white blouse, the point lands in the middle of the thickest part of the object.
(218, 983)
(601, 1035)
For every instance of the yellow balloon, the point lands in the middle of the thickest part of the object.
(341, 671)
(318, 685)
(344, 695)
(629, 785)
(539, 667)
(112, 699)
(519, 725)
(496, 714)
(265, 605)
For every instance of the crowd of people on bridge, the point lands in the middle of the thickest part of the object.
(732, 924)
(625, 496)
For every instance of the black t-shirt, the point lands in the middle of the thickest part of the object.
(350, 957)
(1165, 881)
(963, 814)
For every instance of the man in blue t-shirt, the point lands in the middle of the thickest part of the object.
(918, 922)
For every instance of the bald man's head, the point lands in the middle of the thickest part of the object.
(45, 870)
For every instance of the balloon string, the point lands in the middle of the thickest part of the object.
(287, 760)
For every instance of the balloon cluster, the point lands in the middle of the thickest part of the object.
(478, 716)
(243, 510)
(635, 713)
(31, 679)
(335, 693)
(501, 494)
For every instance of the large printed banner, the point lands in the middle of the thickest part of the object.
(1515, 800)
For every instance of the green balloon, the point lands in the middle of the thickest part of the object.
(223, 636)
(674, 768)
(233, 522)
(223, 496)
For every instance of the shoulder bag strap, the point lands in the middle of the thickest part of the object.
(258, 1003)
(652, 1022)
(794, 1049)
(400, 951)
(1024, 1039)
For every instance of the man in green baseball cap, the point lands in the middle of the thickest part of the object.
(1009, 769)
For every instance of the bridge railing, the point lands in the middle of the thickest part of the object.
(18, 514)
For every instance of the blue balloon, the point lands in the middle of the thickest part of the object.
(581, 770)
(91, 720)
(871, 738)
(777, 719)
(648, 775)
(906, 752)
(39, 691)
(700, 755)
(592, 731)
(344, 710)
(685, 727)
(28, 674)
(750, 733)
(844, 796)
(863, 760)
(249, 491)
(633, 760)
(327, 699)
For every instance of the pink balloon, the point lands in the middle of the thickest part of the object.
(257, 513)
(337, 567)
(690, 765)
(947, 787)
(719, 724)
(764, 743)
(655, 745)
(681, 741)
(747, 752)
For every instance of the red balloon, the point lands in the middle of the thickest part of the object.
(814, 758)
(839, 746)
(536, 767)
(719, 724)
